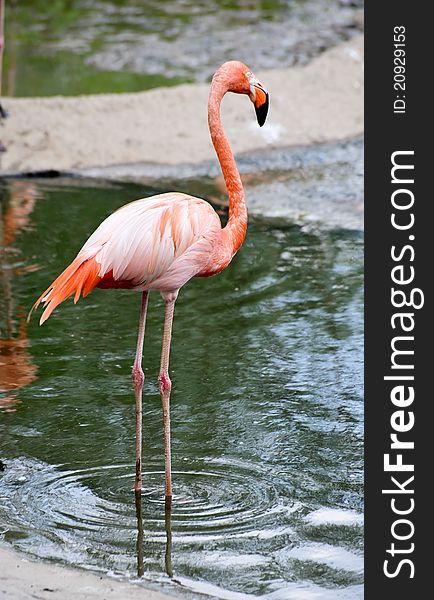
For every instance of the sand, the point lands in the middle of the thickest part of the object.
(22, 579)
(319, 102)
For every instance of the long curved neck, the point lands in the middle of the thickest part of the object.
(236, 226)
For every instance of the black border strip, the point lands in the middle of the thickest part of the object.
(388, 132)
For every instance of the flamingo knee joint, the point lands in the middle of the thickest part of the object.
(138, 377)
(164, 383)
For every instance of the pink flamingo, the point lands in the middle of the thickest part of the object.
(160, 243)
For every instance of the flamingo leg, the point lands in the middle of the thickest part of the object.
(165, 386)
(138, 379)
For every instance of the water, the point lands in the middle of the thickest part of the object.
(85, 46)
(267, 408)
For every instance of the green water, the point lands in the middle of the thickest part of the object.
(267, 408)
(72, 47)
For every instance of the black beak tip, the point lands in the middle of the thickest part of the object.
(262, 111)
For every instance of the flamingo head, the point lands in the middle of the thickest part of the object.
(240, 80)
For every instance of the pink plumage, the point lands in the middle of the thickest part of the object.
(157, 243)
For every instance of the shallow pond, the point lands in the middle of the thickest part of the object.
(84, 47)
(266, 409)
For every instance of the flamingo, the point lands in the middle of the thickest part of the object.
(160, 243)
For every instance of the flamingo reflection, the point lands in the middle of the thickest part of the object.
(140, 537)
(16, 367)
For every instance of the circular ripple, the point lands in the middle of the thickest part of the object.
(214, 500)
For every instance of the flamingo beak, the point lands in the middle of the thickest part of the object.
(261, 103)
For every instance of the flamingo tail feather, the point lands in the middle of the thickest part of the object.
(80, 277)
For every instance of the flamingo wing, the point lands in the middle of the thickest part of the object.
(153, 243)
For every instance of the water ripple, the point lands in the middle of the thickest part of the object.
(212, 504)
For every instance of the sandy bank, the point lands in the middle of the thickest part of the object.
(319, 102)
(22, 579)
